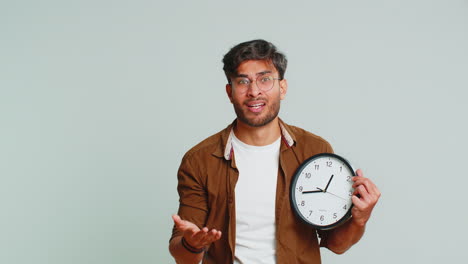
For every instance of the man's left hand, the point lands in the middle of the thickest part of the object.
(365, 197)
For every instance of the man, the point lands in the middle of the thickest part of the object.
(234, 186)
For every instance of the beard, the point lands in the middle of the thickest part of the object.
(259, 119)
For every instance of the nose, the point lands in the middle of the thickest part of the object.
(253, 90)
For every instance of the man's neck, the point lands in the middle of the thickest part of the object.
(258, 136)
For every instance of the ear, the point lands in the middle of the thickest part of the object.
(283, 88)
(229, 91)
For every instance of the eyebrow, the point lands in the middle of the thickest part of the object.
(258, 73)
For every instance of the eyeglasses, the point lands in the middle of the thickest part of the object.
(264, 83)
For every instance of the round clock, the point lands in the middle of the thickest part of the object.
(321, 191)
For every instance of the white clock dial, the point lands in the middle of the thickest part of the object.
(321, 191)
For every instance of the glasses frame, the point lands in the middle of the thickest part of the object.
(256, 83)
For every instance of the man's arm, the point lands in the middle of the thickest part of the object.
(189, 248)
(193, 207)
(365, 196)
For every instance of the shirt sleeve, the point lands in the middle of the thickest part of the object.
(327, 148)
(192, 195)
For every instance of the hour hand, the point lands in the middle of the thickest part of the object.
(328, 184)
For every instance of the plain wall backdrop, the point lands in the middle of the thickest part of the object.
(99, 100)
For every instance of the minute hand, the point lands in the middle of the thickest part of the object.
(312, 191)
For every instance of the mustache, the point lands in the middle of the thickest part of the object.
(256, 99)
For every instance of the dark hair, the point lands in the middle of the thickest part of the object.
(258, 49)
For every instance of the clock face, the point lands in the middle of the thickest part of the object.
(321, 191)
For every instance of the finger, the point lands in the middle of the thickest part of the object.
(218, 235)
(178, 220)
(370, 186)
(363, 195)
(358, 180)
(358, 203)
(359, 173)
(210, 237)
(175, 217)
(361, 192)
(364, 201)
(198, 236)
(203, 237)
(361, 188)
(181, 224)
(367, 182)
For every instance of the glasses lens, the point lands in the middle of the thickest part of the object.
(265, 83)
(241, 84)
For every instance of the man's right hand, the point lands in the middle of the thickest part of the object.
(194, 236)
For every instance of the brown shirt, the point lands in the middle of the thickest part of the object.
(207, 178)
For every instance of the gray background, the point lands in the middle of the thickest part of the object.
(99, 100)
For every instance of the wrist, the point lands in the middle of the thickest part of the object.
(191, 248)
(358, 223)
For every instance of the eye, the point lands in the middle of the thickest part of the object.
(265, 79)
(243, 82)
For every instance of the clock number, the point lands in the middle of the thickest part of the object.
(348, 178)
(334, 216)
(308, 175)
(310, 212)
(316, 167)
(322, 218)
(300, 188)
(350, 193)
(329, 163)
(345, 206)
(341, 168)
(303, 203)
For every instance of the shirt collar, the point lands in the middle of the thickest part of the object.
(286, 136)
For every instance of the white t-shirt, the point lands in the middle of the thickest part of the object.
(255, 201)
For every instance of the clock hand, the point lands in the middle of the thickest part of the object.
(312, 191)
(328, 184)
(337, 196)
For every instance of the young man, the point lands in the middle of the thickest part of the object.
(234, 186)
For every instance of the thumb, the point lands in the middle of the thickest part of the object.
(183, 225)
(359, 173)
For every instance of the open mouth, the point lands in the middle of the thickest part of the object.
(256, 106)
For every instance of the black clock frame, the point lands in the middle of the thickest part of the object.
(293, 187)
